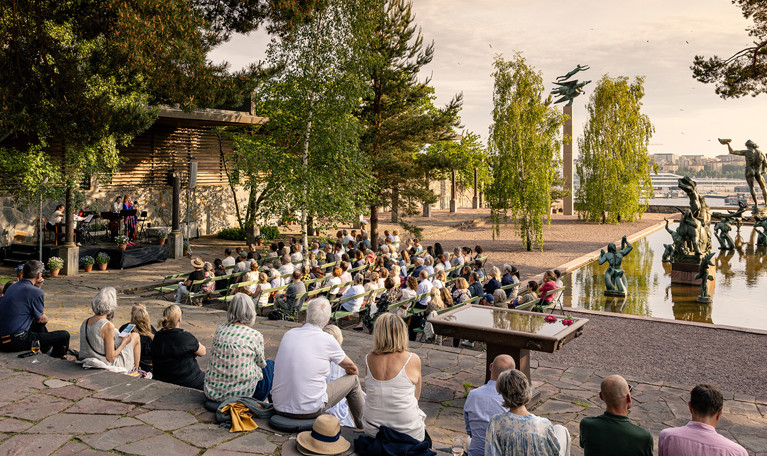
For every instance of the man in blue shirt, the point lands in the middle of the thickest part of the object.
(22, 317)
(484, 403)
(475, 288)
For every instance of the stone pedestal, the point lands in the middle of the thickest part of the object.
(71, 256)
(567, 160)
(475, 202)
(684, 274)
(452, 205)
(175, 244)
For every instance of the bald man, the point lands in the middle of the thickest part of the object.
(612, 433)
(484, 403)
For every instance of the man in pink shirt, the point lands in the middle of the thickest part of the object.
(699, 437)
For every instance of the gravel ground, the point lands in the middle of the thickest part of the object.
(655, 351)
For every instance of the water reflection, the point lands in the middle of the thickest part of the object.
(738, 299)
(490, 317)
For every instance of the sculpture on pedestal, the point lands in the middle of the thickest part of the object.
(568, 90)
(705, 277)
(756, 164)
(615, 279)
(693, 238)
(733, 216)
(722, 233)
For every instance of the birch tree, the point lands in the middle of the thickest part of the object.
(524, 145)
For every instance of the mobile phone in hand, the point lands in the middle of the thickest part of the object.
(127, 330)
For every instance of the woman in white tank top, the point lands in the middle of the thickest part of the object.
(393, 382)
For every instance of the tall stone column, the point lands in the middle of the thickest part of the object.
(69, 252)
(475, 200)
(452, 192)
(176, 237)
(567, 160)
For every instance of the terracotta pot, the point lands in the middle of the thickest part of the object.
(123, 246)
(55, 272)
(162, 241)
(102, 266)
(260, 242)
(186, 252)
(19, 276)
(87, 267)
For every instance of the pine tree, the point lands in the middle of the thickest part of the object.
(524, 145)
(398, 115)
(614, 166)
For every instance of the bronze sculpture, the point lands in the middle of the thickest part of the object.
(694, 231)
(705, 277)
(722, 233)
(668, 252)
(756, 164)
(615, 279)
(568, 90)
(760, 222)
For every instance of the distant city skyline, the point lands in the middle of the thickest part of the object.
(656, 39)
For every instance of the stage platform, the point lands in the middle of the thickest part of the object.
(141, 253)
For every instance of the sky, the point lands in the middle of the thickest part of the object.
(657, 39)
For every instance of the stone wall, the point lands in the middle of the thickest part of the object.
(211, 206)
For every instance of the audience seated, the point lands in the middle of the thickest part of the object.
(495, 281)
(302, 366)
(355, 304)
(475, 287)
(238, 365)
(499, 298)
(23, 319)
(547, 284)
(510, 277)
(140, 317)
(174, 352)
(340, 410)
(186, 287)
(393, 382)
(519, 432)
(528, 294)
(100, 340)
(613, 432)
(287, 302)
(483, 403)
(699, 436)
(229, 260)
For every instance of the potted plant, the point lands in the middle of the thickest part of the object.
(161, 236)
(259, 240)
(55, 264)
(122, 241)
(186, 248)
(102, 259)
(87, 262)
(19, 271)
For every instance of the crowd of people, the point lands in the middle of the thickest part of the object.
(312, 376)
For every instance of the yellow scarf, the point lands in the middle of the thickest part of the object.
(242, 418)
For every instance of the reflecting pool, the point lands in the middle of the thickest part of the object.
(740, 296)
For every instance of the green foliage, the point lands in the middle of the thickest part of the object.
(270, 232)
(55, 262)
(398, 112)
(87, 260)
(524, 144)
(743, 73)
(462, 156)
(102, 258)
(614, 166)
(232, 234)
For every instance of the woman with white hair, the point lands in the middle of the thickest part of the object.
(518, 431)
(100, 340)
(355, 304)
(238, 365)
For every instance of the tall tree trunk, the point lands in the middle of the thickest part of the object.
(395, 205)
(310, 226)
(305, 165)
(251, 227)
(374, 227)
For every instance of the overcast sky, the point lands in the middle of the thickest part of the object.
(652, 38)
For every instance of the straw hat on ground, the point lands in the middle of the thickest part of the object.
(324, 438)
(197, 263)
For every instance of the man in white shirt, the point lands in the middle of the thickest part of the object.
(347, 238)
(424, 286)
(228, 262)
(287, 266)
(484, 403)
(357, 289)
(302, 365)
(315, 247)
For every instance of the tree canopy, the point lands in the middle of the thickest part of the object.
(398, 114)
(524, 144)
(744, 72)
(614, 166)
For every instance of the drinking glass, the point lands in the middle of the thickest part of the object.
(35, 346)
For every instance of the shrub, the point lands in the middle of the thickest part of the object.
(87, 260)
(162, 234)
(232, 234)
(122, 239)
(102, 258)
(55, 263)
(269, 232)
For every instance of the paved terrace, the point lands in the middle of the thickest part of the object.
(55, 407)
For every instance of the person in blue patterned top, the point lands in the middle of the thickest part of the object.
(519, 432)
(238, 366)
